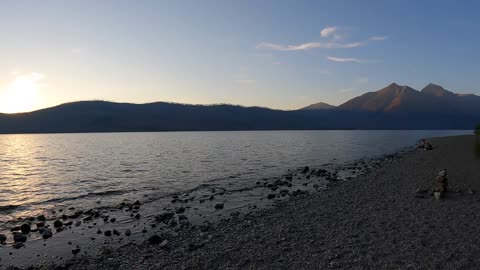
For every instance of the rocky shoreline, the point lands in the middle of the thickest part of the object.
(66, 232)
(376, 220)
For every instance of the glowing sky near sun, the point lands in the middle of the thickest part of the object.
(274, 53)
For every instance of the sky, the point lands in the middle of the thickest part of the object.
(269, 53)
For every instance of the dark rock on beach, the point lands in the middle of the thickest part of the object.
(3, 238)
(68, 223)
(47, 234)
(57, 223)
(75, 251)
(155, 239)
(18, 237)
(15, 229)
(25, 228)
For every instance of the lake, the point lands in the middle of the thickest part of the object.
(44, 171)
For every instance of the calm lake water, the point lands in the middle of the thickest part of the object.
(39, 172)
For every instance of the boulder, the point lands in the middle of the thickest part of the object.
(19, 238)
(219, 206)
(3, 238)
(155, 239)
(442, 181)
(25, 228)
(428, 147)
(15, 229)
(57, 223)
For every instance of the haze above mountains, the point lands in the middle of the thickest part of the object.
(393, 107)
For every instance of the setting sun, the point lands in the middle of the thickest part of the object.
(21, 94)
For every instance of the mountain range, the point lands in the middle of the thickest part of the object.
(395, 98)
(393, 107)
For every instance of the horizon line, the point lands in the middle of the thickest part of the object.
(220, 104)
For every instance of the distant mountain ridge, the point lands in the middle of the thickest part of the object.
(390, 98)
(319, 106)
(393, 107)
(395, 98)
(437, 90)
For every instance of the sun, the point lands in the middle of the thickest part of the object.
(21, 94)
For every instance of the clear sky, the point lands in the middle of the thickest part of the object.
(279, 54)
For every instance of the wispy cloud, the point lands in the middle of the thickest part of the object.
(378, 38)
(309, 46)
(333, 32)
(330, 37)
(328, 31)
(343, 60)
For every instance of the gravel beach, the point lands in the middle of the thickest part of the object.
(386, 219)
